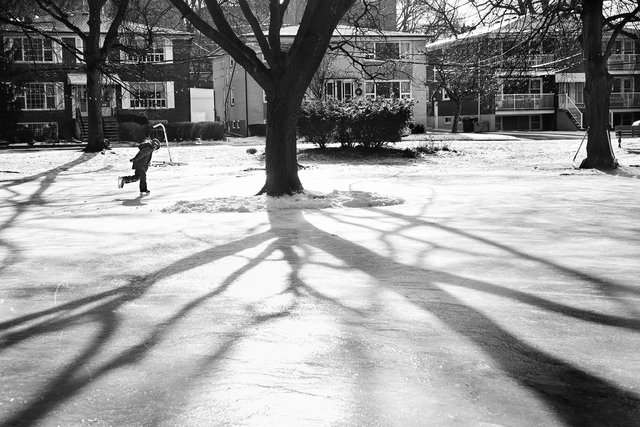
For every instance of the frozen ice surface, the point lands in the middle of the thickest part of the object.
(494, 285)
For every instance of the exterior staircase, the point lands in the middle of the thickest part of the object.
(573, 112)
(574, 120)
(109, 128)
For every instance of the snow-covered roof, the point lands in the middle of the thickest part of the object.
(47, 24)
(509, 25)
(346, 31)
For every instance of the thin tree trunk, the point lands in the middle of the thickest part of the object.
(456, 116)
(597, 90)
(281, 160)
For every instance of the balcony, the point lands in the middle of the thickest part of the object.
(624, 62)
(624, 100)
(524, 101)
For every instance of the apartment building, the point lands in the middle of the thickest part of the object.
(153, 80)
(374, 63)
(546, 90)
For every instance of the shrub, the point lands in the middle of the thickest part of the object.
(181, 131)
(417, 128)
(20, 134)
(369, 123)
(131, 131)
(431, 147)
(125, 117)
(318, 121)
(213, 131)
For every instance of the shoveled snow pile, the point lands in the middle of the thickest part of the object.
(335, 199)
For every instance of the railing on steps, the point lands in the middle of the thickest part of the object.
(566, 103)
(83, 131)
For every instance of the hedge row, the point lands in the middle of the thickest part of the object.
(178, 131)
(370, 123)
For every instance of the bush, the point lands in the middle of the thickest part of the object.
(134, 132)
(20, 134)
(125, 117)
(319, 121)
(213, 131)
(369, 123)
(416, 128)
(431, 147)
(181, 131)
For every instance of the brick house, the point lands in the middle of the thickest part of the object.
(153, 81)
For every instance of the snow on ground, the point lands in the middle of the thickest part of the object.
(492, 284)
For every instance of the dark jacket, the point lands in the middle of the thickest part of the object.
(143, 158)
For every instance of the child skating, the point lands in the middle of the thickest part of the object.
(141, 163)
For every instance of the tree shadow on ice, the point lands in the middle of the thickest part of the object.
(577, 397)
(102, 310)
(20, 206)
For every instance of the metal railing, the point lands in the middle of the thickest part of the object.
(624, 61)
(524, 101)
(566, 103)
(624, 99)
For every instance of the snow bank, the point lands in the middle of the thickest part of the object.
(308, 200)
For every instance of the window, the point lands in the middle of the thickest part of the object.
(498, 122)
(448, 120)
(622, 84)
(536, 122)
(518, 86)
(148, 95)
(388, 89)
(342, 90)
(385, 51)
(232, 97)
(445, 95)
(153, 53)
(405, 50)
(40, 96)
(535, 86)
(31, 49)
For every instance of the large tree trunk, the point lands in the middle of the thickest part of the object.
(94, 83)
(94, 110)
(281, 160)
(597, 89)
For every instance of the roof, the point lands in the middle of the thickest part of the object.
(480, 32)
(47, 24)
(346, 31)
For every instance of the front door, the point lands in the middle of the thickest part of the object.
(108, 100)
(79, 93)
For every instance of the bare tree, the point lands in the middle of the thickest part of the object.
(284, 75)
(466, 71)
(95, 52)
(600, 27)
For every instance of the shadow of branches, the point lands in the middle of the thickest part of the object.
(576, 396)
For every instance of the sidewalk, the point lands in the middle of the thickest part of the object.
(493, 295)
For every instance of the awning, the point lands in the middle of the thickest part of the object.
(81, 79)
(570, 77)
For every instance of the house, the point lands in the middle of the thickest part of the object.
(145, 78)
(374, 63)
(545, 92)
